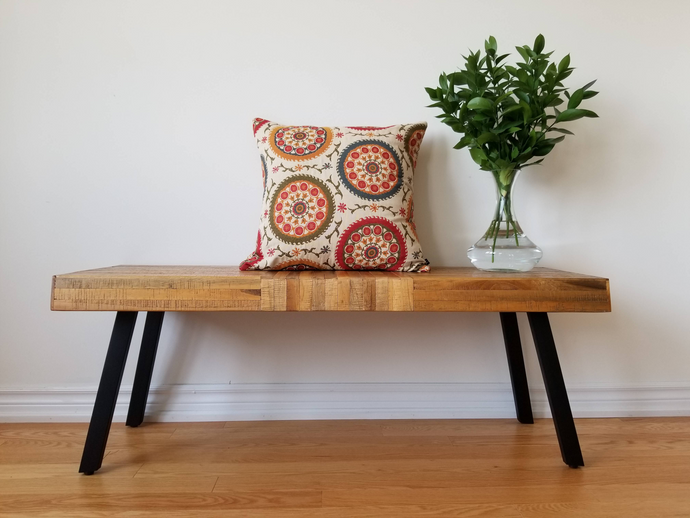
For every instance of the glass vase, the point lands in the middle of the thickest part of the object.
(504, 247)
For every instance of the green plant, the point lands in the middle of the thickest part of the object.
(508, 115)
(503, 110)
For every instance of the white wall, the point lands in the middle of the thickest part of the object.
(125, 137)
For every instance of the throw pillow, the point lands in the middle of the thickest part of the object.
(337, 198)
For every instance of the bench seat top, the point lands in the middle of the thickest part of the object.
(225, 288)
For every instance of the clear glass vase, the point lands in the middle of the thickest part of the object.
(504, 247)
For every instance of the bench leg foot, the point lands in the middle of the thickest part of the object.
(516, 365)
(142, 378)
(104, 408)
(555, 389)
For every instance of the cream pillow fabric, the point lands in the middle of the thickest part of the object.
(337, 198)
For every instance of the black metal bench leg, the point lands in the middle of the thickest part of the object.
(142, 378)
(104, 408)
(516, 365)
(555, 389)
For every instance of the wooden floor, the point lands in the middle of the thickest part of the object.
(378, 469)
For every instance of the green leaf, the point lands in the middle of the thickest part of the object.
(537, 162)
(575, 99)
(480, 103)
(543, 149)
(512, 109)
(502, 98)
(443, 82)
(525, 155)
(526, 111)
(539, 44)
(586, 87)
(501, 58)
(522, 96)
(464, 142)
(431, 92)
(574, 114)
(506, 170)
(491, 45)
(477, 155)
(505, 126)
(565, 63)
(589, 94)
(562, 130)
(486, 137)
(458, 78)
(523, 53)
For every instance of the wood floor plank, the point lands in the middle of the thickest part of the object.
(330, 452)
(511, 465)
(488, 427)
(158, 502)
(355, 427)
(328, 467)
(456, 478)
(626, 508)
(42, 471)
(33, 454)
(118, 427)
(635, 468)
(675, 444)
(465, 427)
(449, 511)
(676, 493)
(114, 440)
(221, 438)
(510, 427)
(104, 485)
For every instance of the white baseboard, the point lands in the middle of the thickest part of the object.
(269, 401)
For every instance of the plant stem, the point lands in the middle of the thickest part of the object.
(509, 219)
(493, 246)
(504, 213)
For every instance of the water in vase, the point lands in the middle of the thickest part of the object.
(504, 247)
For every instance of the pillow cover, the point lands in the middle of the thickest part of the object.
(337, 198)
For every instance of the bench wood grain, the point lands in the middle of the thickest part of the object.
(225, 288)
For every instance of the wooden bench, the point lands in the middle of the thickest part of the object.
(157, 289)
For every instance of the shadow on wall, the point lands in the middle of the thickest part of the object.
(436, 200)
(330, 348)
